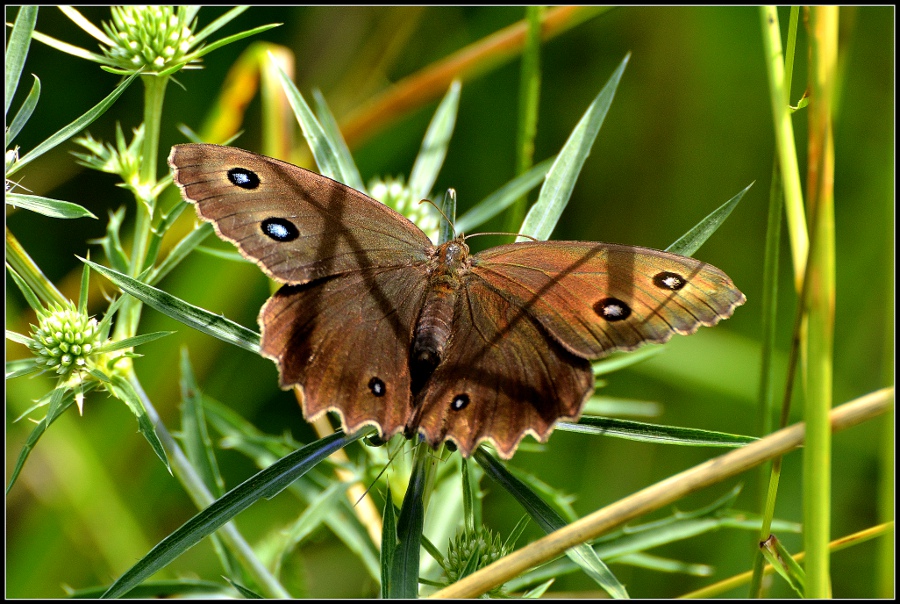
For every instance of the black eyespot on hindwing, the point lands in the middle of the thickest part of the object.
(377, 386)
(460, 402)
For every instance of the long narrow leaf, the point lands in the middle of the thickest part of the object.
(123, 390)
(655, 433)
(54, 208)
(264, 484)
(404, 581)
(134, 341)
(24, 113)
(17, 50)
(59, 400)
(324, 152)
(549, 520)
(434, 146)
(544, 214)
(504, 197)
(73, 128)
(349, 171)
(193, 316)
(691, 241)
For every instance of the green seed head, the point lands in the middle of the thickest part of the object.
(482, 546)
(150, 37)
(394, 194)
(64, 338)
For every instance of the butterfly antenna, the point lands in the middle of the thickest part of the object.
(451, 192)
(501, 233)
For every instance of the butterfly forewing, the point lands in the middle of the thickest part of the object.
(296, 224)
(595, 298)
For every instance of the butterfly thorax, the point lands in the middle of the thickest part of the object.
(445, 270)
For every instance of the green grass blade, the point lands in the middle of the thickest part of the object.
(324, 151)
(434, 146)
(404, 582)
(544, 214)
(24, 113)
(388, 543)
(193, 316)
(655, 433)
(60, 399)
(349, 171)
(134, 341)
(264, 484)
(73, 128)
(549, 520)
(54, 208)
(17, 50)
(691, 241)
(504, 197)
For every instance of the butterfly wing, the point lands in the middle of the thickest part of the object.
(344, 341)
(595, 298)
(297, 225)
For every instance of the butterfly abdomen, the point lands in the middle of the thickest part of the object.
(436, 319)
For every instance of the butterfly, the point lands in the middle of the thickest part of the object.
(378, 324)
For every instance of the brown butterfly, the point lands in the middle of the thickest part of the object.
(376, 323)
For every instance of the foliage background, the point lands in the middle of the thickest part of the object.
(690, 127)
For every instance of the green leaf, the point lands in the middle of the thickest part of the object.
(111, 244)
(67, 48)
(180, 251)
(134, 341)
(324, 151)
(18, 338)
(24, 112)
(404, 582)
(549, 520)
(388, 543)
(349, 171)
(225, 41)
(691, 241)
(17, 50)
(434, 146)
(194, 432)
(54, 208)
(264, 484)
(217, 24)
(73, 128)
(655, 433)
(59, 400)
(124, 391)
(26, 290)
(202, 320)
(543, 215)
(504, 197)
(21, 367)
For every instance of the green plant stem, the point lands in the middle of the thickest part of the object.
(196, 489)
(529, 97)
(823, 26)
(18, 258)
(154, 95)
(784, 138)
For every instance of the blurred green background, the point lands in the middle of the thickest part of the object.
(690, 127)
